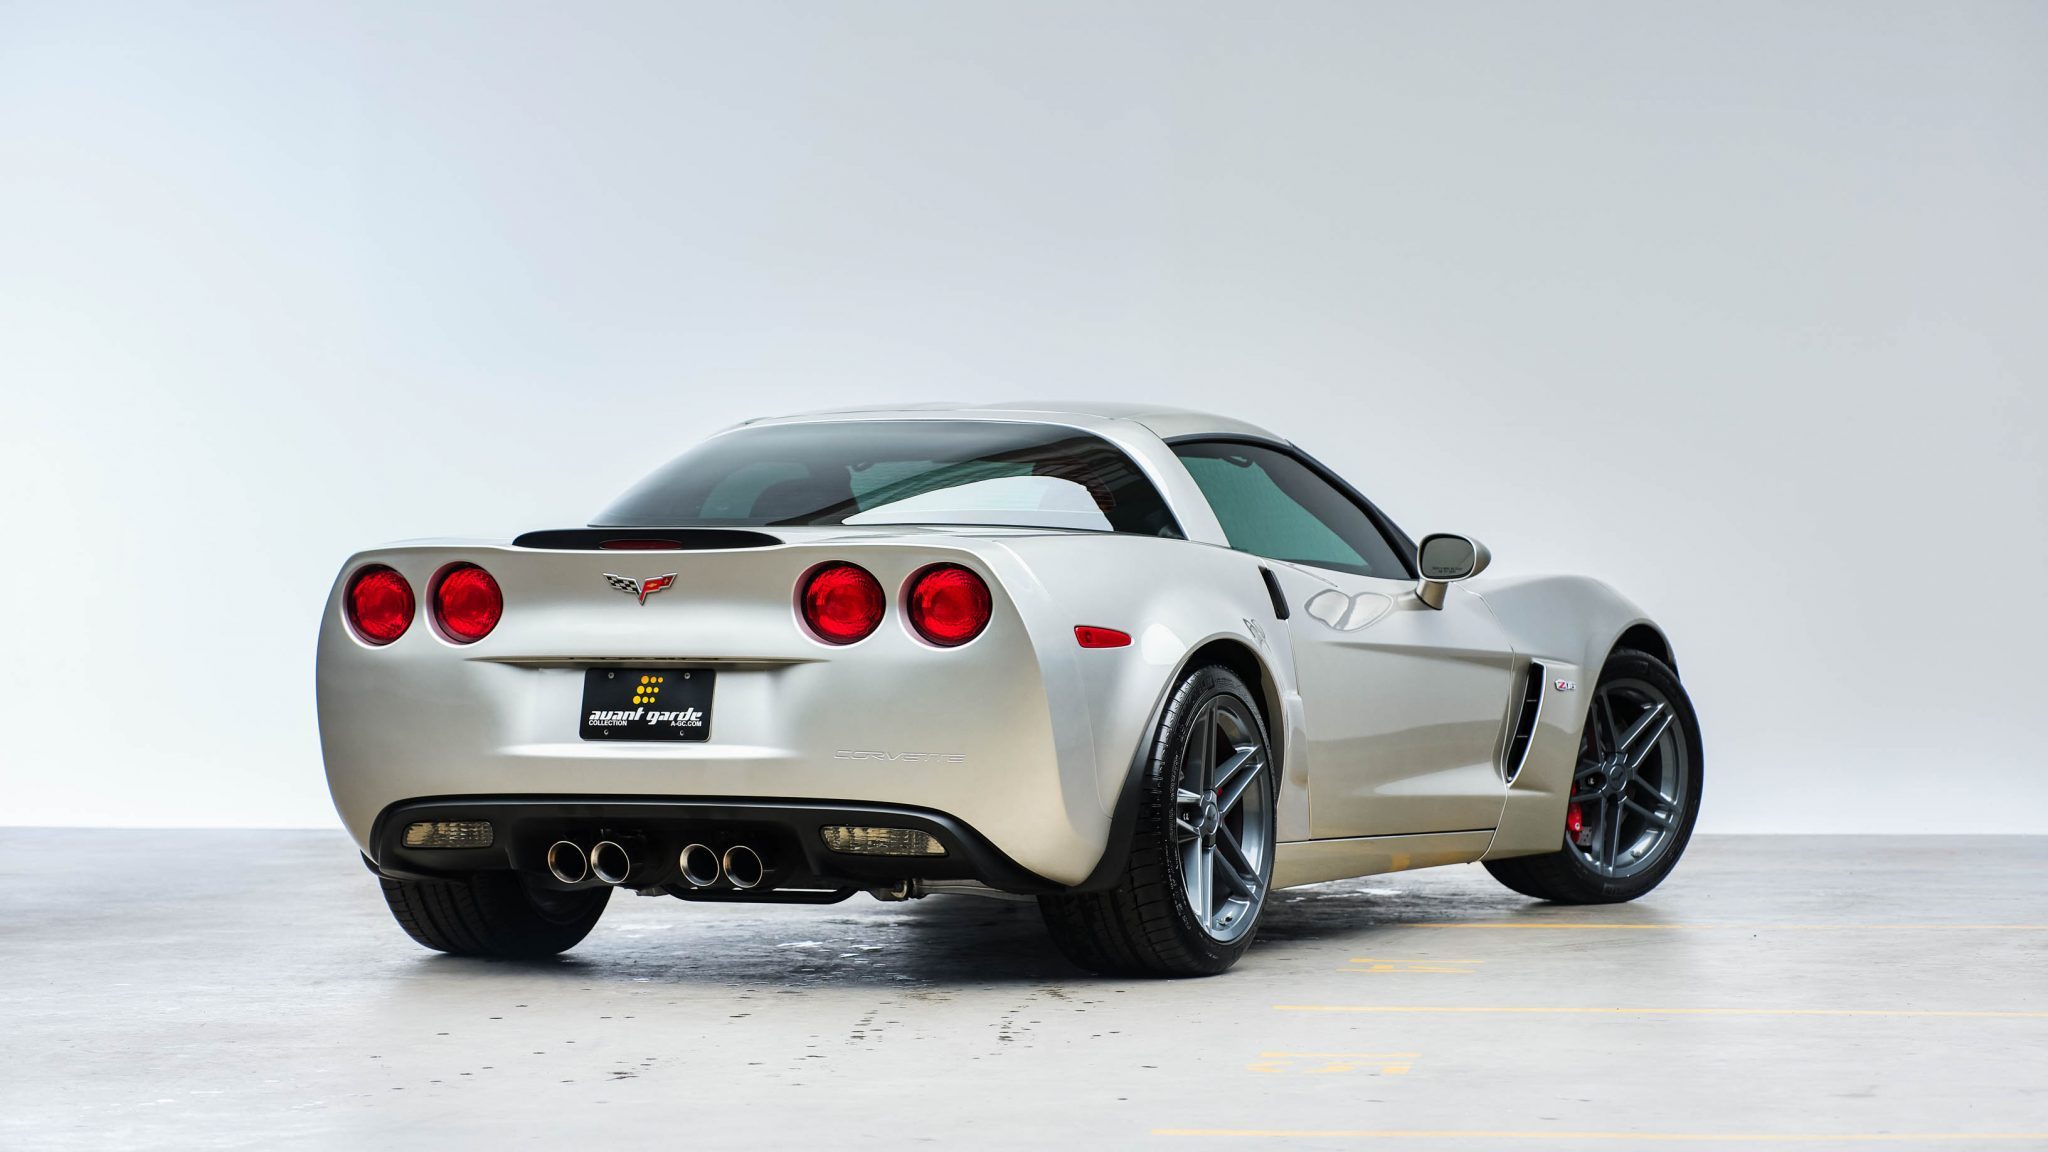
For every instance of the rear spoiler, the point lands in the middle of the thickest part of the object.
(644, 539)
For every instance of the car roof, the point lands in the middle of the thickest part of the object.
(1163, 421)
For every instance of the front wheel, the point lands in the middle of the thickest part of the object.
(1635, 791)
(1201, 857)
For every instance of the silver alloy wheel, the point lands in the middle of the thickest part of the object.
(1633, 779)
(1223, 819)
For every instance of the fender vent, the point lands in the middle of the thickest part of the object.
(1525, 721)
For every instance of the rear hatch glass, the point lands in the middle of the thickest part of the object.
(899, 472)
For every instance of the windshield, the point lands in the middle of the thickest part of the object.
(899, 472)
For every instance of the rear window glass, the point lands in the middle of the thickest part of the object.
(970, 472)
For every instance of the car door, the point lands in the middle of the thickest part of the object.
(1405, 705)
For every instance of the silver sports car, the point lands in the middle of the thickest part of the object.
(1141, 665)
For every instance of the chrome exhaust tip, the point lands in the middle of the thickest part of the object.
(610, 861)
(567, 863)
(743, 866)
(700, 865)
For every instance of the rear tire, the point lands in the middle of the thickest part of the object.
(493, 914)
(1673, 768)
(1206, 810)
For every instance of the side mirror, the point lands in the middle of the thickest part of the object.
(1445, 559)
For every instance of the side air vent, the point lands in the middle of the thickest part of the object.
(1525, 720)
(645, 539)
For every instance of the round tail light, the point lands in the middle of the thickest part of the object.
(467, 603)
(948, 605)
(842, 603)
(379, 604)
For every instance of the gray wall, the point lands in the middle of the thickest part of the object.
(1737, 306)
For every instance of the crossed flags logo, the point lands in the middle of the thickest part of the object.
(641, 588)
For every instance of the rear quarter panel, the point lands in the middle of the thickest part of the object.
(1173, 597)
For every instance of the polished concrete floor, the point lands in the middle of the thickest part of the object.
(248, 990)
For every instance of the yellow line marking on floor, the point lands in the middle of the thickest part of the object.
(1397, 1009)
(1344, 1055)
(1436, 967)
(1411, 960)
(1584, 925)
(1618, 1137)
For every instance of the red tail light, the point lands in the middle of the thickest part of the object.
(949, 605)
(467, 603)
(842, 603)
(379, 604)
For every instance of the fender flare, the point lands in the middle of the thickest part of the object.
(1123, 821)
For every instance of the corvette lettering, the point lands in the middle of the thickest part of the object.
(909, 757)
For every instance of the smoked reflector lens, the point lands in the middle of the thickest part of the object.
(860, 841)
(449, 834)
(379, 604)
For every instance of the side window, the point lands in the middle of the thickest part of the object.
(1271, 504)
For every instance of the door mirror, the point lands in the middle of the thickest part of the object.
(1444, 558)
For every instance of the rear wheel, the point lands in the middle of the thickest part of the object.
(493, 914)
(1635, 792)
(1201, 859)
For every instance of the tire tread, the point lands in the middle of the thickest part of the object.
(488, 914)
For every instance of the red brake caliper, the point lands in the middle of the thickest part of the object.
(1575, 826)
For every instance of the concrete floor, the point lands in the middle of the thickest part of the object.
(248, 989)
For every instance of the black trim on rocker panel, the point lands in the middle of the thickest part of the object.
(524, 826)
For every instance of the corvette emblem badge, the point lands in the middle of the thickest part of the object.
(641, 588)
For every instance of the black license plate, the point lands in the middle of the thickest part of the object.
(647, 703)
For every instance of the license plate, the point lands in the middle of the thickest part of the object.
(647, 704)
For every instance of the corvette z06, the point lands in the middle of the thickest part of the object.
(1140, 665)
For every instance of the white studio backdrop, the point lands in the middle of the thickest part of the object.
(1737, 306)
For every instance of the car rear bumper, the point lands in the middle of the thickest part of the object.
(1019, 734)
(785, 833)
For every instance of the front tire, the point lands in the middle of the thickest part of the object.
(494, 914)
(1635, 791)
(1201, 859)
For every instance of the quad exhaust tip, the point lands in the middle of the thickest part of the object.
(567, 863)
(610, 861)
(743, 866)
(701, 866)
